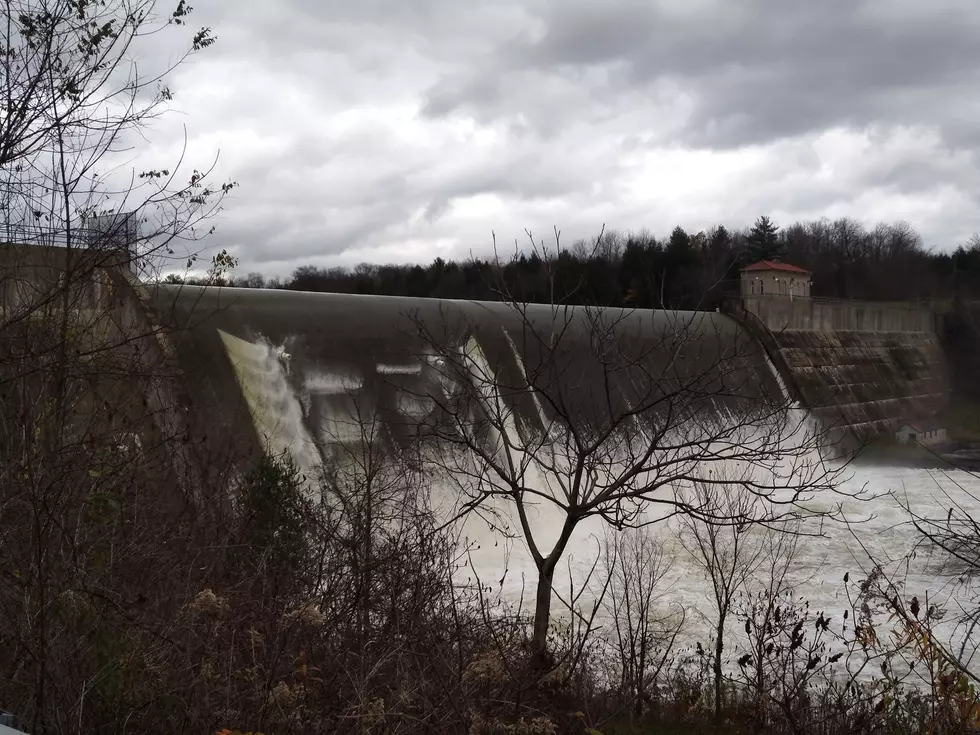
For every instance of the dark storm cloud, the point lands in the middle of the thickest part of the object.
(409, 130)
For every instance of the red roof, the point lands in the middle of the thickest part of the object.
(771, 265)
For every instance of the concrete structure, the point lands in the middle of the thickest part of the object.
(868, 382)
(866, 367)
(292, 371)
(772, 278)
(779, 295)
(780, 312)
(30, 275)
(927, 433)
(121, 351)
(231, 370)
(8, 725)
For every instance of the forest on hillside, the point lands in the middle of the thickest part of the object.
(685, 270)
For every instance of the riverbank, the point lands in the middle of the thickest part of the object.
(913, 456)
(960, 454)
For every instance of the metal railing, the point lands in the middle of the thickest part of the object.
(910, 305)
(81, 237)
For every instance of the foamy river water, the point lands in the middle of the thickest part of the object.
(880, 525)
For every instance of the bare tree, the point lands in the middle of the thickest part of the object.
(92, 480)
(728, 555)
(951, 538)
(68, 72)
(76, 96)
(643, 632)
(765, 610)
(589, 412)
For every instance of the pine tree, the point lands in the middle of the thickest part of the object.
(763, 242)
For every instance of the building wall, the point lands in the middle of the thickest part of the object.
(926, 438)
(904, 434)
(779, 313)
(775, 283)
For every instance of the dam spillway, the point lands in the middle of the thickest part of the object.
(299, 372)
(869, 382)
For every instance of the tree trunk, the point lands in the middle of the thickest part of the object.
(542, 606)
(719, 648)
(546, 574)
(641, 667)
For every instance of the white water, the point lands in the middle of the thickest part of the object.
(879, 531)
(876, 531)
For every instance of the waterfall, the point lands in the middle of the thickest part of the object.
(790, 400)
(546, 425)
(276, 413)
(482, 376)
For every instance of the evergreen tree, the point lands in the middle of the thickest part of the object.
(277, 521)
(763, 241)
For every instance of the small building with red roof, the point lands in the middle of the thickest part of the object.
(773, 278)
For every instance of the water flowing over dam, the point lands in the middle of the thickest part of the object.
(234, 372)
(306, 372)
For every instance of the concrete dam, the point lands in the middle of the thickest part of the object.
(863, 367)
(312, 373)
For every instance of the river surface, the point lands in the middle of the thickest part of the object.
(876, 529)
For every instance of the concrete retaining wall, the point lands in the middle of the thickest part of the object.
(780, 312)
(861, 367)
(126, 354)
(32, 278)
(869, 382)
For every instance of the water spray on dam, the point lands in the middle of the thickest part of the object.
(303, 366)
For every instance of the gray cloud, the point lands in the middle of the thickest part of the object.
(758, 69)
(404, 131)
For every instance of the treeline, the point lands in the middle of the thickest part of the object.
(685, 270)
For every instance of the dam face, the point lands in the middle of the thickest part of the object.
(864, 367)
(867, 381)
(308, 372)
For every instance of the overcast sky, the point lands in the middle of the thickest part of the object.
(403, 130)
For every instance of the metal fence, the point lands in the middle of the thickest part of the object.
(102, 235)
(119, 239)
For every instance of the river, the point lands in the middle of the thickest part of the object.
(874, 528)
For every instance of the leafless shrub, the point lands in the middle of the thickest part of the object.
(728, 556)
(643, 632)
